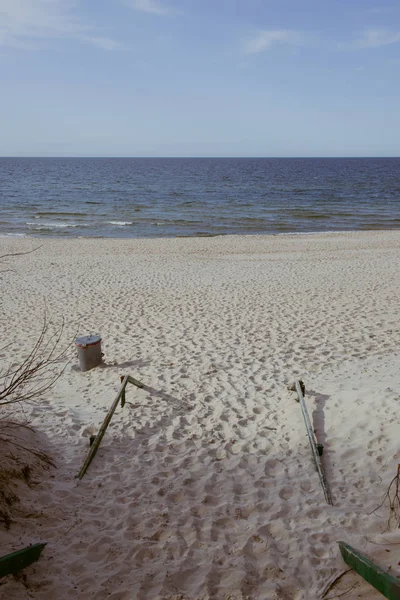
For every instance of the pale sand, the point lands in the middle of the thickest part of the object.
(205, 488)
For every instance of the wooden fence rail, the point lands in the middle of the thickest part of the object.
(96, 443)
(313, 444)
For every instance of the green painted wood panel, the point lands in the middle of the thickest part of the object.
(14, 562)
(386, 584)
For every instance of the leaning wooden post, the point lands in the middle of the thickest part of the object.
(99, 436)
(313, 444)
(96, 442)
(385, 583)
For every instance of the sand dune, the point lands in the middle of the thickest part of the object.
(204, 486)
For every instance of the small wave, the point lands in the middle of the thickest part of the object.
(176, 194)
(55, 213)
(335, 231)
(39, 225)
(177, 222)
(303, 213)
(13, 235)
(120, 223)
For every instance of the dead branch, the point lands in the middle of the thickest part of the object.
(19, 253)
(393, 496)
(332, 582)
(8, 271)
(344, 593)
(12, 254)
(387, 542)
(38, 372)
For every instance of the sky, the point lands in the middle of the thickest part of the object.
(200, 78)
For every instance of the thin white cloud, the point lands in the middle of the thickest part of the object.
(381, 10)
(153, 7)
(22, 22)
(101, 42)
(376, 37)
(268, 37)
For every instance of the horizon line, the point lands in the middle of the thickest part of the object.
(196, 157)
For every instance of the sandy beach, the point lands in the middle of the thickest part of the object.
(204, 485)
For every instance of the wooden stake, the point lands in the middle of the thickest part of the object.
(122, 393)
(313, 444)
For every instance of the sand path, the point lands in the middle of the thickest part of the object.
(204, 486)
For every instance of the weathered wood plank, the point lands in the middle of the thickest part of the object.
(94, 447)
(313, 444)
(96, 443)
(136, 382)
(385, 583)
(14, 562)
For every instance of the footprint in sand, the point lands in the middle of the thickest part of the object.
(286, 493)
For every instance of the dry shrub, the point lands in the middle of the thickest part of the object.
(22, 459)
(391, 499)
(38, 372)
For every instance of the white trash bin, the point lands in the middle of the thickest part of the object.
(89, 351)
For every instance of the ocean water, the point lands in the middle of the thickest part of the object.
(168, 197)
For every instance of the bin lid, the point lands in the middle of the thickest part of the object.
(87, 340)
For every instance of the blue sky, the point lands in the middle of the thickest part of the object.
(199, 78)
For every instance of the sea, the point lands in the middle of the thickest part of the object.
(183, 197)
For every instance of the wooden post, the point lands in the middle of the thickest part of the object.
(96, 443)
(313, 444)
(94, 447)
(122, 393)
(386, 584)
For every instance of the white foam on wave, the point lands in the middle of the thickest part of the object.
(120, 223)
(46, 225)
(13, 235)
(336, 231)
